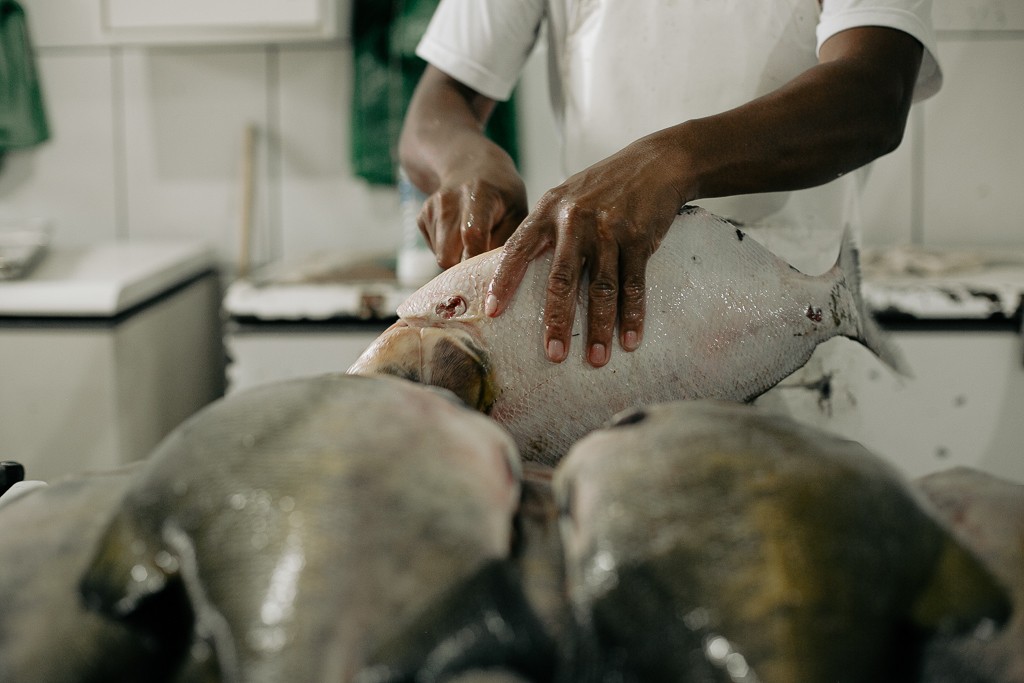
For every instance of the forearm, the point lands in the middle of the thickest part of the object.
(443, 132)
(834, 118)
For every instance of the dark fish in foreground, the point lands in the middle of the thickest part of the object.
(508, 622)
(47, 537)
(725, 319)
(707, 541)
(987, 514)
(309, 522)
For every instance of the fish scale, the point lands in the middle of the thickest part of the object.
(726, 319)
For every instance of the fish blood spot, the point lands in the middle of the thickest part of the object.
(814, 314)
(451, 307)
(739, 234)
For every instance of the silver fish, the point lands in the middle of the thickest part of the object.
(987, 514)
(309, 522)
(725, 319)
(708, 541)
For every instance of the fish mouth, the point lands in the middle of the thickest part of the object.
(445, 357)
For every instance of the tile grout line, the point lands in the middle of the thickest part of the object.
(275, 210)
(917, 171)
(120, 144)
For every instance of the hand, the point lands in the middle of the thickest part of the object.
(605, 221)
(470, 215)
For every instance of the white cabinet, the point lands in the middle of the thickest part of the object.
(219, 21)
(90, 23)
(104, 350)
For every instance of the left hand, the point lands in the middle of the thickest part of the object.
(473, 212)
(606, 222)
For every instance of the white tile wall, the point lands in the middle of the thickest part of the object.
(185, 114)
(973, 178)
(978, 15)
(321, 205)
(69, 181)
(148, 142)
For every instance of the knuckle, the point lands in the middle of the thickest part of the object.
(571, 212)
(561, 281)
(603, 289)
(631, 317)
(633, 289)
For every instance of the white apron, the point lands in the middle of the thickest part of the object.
(678, 66)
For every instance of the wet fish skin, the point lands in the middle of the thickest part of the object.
(310, 520)
(508, 620)
(537, 553)
(699, 522)
(987, 515)
(46, 636)
(484, 622)
(725, 319)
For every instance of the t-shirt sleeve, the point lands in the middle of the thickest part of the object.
(482, 43)
(910, 16)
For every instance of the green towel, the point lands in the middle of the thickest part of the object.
(384, 37)
(22, 117)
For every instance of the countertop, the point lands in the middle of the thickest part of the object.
(911, 283)
(102, 280)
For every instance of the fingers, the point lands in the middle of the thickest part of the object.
(462, 223)
(632, 300)
(615, 292)
(439, 213)
(602, 295)
(505, 228)
(476, 224)
(560, 304)
(525, 244)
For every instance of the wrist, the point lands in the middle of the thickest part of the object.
(675, 152)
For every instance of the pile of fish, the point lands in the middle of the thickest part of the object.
(503, 519)
(374, 530)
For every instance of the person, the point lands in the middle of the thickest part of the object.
(760, 109)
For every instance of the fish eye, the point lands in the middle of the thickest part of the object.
(451, 307)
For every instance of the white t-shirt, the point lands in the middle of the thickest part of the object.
(620, 69)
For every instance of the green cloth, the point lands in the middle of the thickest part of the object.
(22, 117)
(384, 35)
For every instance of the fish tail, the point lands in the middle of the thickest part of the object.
(867, 331)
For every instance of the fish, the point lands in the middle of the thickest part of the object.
(308, 522)
(986, 513)
(47, 537)
(709, 541)
(509, 621)
(725, 319)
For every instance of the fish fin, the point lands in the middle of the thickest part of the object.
(127, 572)
(960, 594)
(484, 622)
(868, 333)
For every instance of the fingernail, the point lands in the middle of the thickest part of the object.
(556, 350)
(598, 355)
(490, 305)
(630, 341)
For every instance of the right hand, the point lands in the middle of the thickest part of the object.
(473, 212)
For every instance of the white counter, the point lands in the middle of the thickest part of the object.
(103, 351)
(102, 281)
